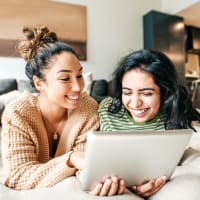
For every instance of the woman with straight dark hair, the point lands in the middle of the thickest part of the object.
(176, 110)
(147, 95)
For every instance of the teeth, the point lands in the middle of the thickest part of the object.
(140, 111)
(73, 97)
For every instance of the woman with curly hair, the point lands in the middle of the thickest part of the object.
(147, 95)
(44, 134)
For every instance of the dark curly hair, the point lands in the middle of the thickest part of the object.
(176, 109)
(38, 48)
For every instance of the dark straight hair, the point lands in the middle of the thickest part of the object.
(176, 109)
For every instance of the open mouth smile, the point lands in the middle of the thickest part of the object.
(139, 112)
(73, 98)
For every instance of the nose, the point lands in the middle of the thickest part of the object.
(76, 86)
(136, 101)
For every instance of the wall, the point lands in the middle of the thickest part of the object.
(114, 27)
(173, 7)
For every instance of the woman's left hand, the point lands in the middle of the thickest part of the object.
(149, 188)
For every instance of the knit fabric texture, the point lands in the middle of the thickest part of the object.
(25, 149)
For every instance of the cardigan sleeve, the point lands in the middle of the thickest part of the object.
(25, 159)
(20, 155)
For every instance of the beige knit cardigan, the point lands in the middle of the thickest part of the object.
(25, 149)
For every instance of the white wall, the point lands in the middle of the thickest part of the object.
(114, 28)
(12, 68)
(174, 6)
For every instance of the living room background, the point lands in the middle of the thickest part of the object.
(114, 27)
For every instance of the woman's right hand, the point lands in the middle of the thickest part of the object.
(76, 160)
(111, 186)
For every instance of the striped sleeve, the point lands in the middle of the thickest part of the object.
(105, 124)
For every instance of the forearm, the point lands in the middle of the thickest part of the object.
(39, 175)
(76, 160)
(27, 167)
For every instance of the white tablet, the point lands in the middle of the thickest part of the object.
(135, 156)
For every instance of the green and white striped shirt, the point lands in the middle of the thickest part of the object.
(122, 120)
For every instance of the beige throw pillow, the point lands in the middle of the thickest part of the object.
(88, 82)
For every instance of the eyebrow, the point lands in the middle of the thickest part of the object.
(143, 89)
(67, 70)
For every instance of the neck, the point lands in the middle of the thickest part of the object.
(52, 113)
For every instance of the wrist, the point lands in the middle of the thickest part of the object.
(69, 162)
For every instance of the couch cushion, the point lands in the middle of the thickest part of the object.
(24, 85)
(88, 78)
(183, 187)
(2, 106)
(99, 90)
(7, 85)
(66, 189)
(7, 98)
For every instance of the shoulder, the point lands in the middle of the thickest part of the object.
(23, 106)
(105, 103)
(23, 103)
(106, 109)
(87, 103)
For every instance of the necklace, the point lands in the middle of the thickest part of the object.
(54, 132)
(54, 136)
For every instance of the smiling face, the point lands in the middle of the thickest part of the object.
(63, 82)
(140, 95)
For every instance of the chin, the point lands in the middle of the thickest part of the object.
(141, 120)
(71, 107)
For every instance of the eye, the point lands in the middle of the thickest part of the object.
(80, 76)
(65, 79)
(148, 94)
(126, 93)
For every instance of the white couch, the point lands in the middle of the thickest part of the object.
(177, 189)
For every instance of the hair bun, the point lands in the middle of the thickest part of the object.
(35, 39)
